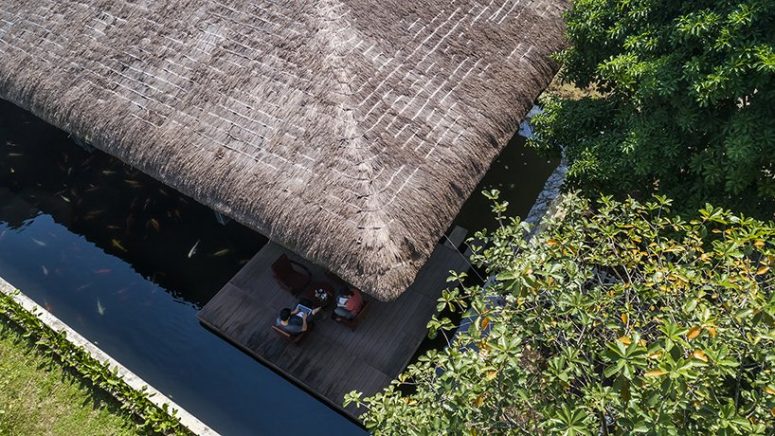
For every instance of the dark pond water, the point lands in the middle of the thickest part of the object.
(128, 262)
(519, 173)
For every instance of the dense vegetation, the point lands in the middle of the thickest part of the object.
(619, 318)
(684, 101)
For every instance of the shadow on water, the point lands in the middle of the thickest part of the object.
(127, 262)
(519, 173)
(117, 208)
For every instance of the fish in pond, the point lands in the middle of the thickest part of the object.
(15, 154)
(101, 271)
(117, 244)
(192, 251)
(100, 308)
(220, 253)
(44, 269)
(40, 243)
(132, 183)
(93, 214)
(108, 172)
(154, 223)
(88, 161)
(82, 287)
(65, 198)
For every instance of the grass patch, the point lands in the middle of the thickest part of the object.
(39, 397)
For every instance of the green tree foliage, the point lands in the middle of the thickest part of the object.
(685, 101)
(620, 318)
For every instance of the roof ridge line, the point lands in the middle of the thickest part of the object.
(332, 14)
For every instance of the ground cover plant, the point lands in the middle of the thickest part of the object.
(619, 318)
(54, 348)
(38, 397)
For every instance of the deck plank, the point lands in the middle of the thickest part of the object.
(331, 360)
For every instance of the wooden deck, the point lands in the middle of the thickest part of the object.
(331, 360)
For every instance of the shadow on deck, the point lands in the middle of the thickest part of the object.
(331, 360)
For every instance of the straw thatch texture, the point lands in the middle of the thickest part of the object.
(350, 131)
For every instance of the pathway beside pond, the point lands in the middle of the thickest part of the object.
(331, 360)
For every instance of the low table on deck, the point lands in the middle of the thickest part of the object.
(309, 294)
(332, 360)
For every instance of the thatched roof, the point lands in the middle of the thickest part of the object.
(349, 131)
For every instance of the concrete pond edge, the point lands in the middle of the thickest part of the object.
(135, 382)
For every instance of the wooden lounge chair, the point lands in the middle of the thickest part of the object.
(351, 323)
(292, 276)
(287, 336)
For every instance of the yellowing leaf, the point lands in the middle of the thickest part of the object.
(694, 332)
(485, 322)
(770, 390)
(712, 331)
(762, 270)
(625, 340)
(642, 342)
(700, 355)
(655, 373)
(655, 355)
(479, 400)
(552, 242)
(491, 374)
(625, 318)
(759, 244)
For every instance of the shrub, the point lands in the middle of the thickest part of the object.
(621, 318)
